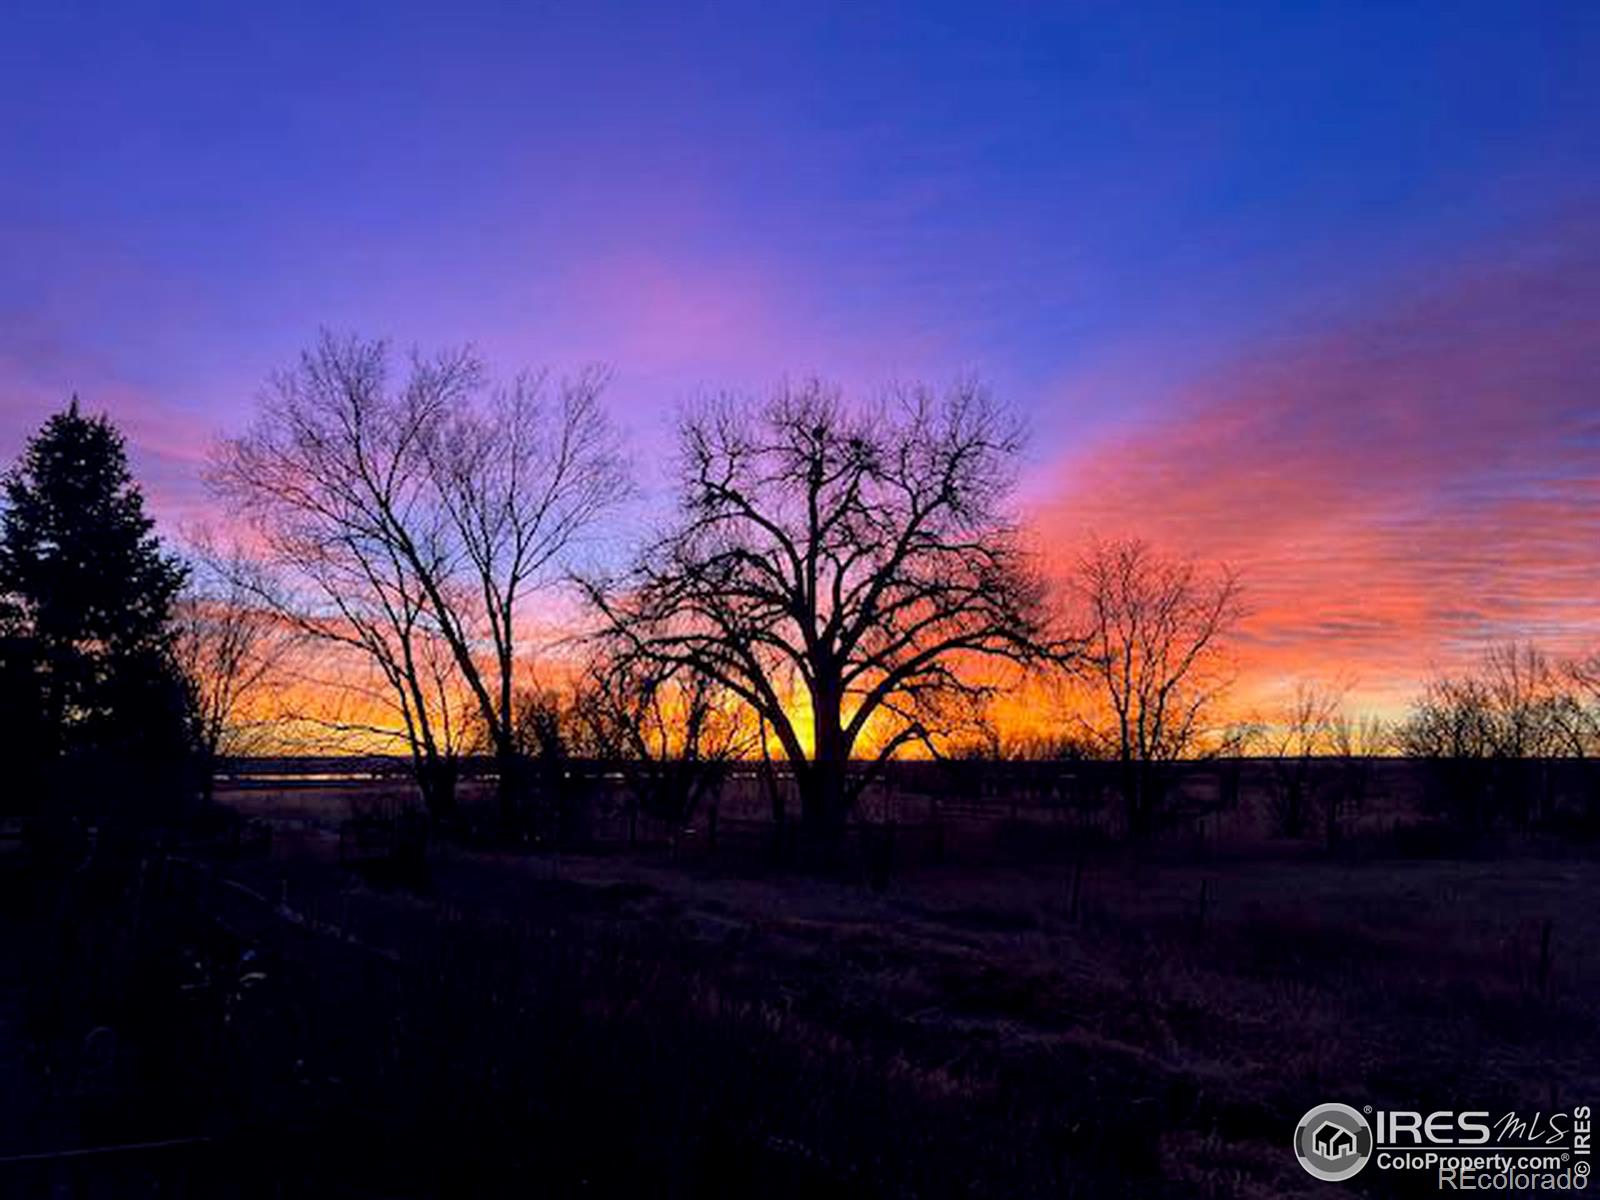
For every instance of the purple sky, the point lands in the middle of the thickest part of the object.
(1329, 265)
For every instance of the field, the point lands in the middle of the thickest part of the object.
(1008, 1018)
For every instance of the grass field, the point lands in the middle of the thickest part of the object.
(1113, 1023)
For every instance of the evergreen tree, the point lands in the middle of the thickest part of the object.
(86, 596)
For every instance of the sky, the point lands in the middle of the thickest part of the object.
(1313, 289)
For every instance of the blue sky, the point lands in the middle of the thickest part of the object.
(1118, 215)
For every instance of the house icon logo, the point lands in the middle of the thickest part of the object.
(1333, 1141)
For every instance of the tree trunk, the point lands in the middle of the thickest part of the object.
(206, 764)
(822, 811)
(511, 782)
(823, 803)
(436, 780)
(1133, 796)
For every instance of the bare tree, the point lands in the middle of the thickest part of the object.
(1358, 740)
(337, 700)
(1527, 699)
(328, 474)
(1155, 660)
(1361, 736)
(1581, 724)
(521, 480)
(383, 671)
(227, 646)
(546, 725)
(1580, 715)
(423, 515)
(674, 732)
(1486, 731)
(1514, 705)
(1450, 720)
(843, 571)
(1302, 733)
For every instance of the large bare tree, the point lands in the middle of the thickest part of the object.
(521, 479)
(842, 570)
(1155, 659)
(427, 510)
(320, 484)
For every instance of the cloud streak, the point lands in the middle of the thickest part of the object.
(1398, 487)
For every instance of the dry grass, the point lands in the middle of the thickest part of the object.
(609, 1024)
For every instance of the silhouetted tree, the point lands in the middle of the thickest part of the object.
(521, 479)
(26, 737)
(1155, 660)
(850, 569)
(672, 731)
(1483, 732)
(88, 597)
(1301, 733)
(1582, 725)
(227, 645)
(1581, 714)
(331, 459)
(428, 513)
(1358, 741)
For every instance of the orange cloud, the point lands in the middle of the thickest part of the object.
(1396, 490)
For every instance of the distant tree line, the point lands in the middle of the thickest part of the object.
(1488, 734)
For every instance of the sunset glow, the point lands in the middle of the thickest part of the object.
(1360, 367)
(935, 601)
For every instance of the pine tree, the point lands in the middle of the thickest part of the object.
(87, 594)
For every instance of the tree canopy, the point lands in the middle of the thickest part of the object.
(844, 564)
(89, 594)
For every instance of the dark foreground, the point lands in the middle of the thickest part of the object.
(279, 1023)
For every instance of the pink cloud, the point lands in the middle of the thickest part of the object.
(1396, 489)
